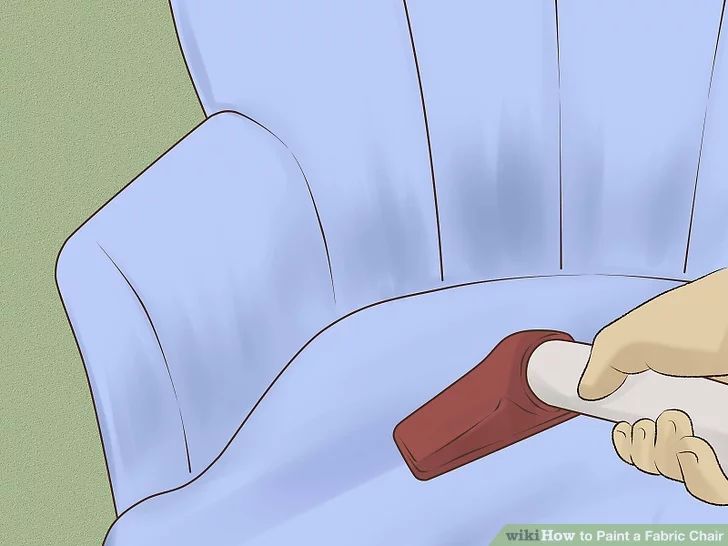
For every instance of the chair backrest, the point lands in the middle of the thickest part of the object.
(564, 135)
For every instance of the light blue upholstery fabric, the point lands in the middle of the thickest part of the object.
(490, 80)
(634, 91)
(187, 292)
(709, 239)
(560, 137)
(316, 464)
(337, 83)
(358, 151)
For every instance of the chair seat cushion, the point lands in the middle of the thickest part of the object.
(315, 462)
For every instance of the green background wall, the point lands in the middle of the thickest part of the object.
(90, 93)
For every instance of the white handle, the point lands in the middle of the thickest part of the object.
(555, 368)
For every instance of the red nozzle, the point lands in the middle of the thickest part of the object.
(487, 409)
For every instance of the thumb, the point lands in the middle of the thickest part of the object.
(600, 378)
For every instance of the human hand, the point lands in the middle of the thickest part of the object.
(682, 333)
(670, 448)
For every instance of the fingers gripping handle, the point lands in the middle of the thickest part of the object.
(555, 367)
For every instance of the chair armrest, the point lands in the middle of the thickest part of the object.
(187, 293)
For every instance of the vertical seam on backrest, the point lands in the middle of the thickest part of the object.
(427, 136)
(702, 138)
(560, 137)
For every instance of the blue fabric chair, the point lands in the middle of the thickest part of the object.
(381, 191)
